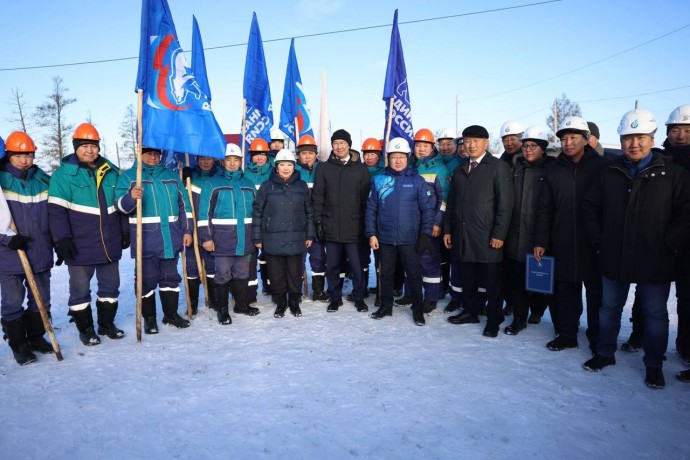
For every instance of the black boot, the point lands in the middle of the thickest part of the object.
(418, 316)
(169, 301)
(317, 285)
(281, 305)
(240, 293)
(212, 298)
(222, 297)
(193, 287)
(84, 322)
(34, 333)
(148, 312)
(293, 304)
(516, 326)
(106, 320)
(382, 311)
(15, 332)
(265, 282)
(428, 306)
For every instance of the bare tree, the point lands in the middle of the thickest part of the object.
(496, 146)
(563, 108)
(19, 118)
(51, 115)
(128, 133)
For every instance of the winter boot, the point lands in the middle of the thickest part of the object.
(106, 319)
(240, 292)
(452, 306)
(212, 299)
(84, 322)
(318, 283)
(654, 378)
(15, 332)
(193, 286)
(148, 312)
(598, 362)
(404, 300)
(518, 324)
(265, 282)
(222, 297)
(169, 301)
(293, 304)
(381, 312)
(34, 333)
(428, 306)
(418, 316)
(281, 301)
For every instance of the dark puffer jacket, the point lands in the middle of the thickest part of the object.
(560, 228)
(340, 195)
(283, 218)
(641, 223)
(528, 185)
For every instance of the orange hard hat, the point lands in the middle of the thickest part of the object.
(424, 135)
(307, 139)
(258, 145)
(20, 142)
(86, 131)
(371, 145)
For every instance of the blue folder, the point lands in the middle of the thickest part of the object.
(539, 276)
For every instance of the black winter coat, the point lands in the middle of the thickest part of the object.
(639, 225)
(282, 218)
(528, 185)
(560, 227)
(479, 208)
(340, 195)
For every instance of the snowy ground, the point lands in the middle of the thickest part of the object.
(332, 385)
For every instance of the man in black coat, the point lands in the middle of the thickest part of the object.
(340, 194)
(480, 201)
(560, 230)
(638, 215)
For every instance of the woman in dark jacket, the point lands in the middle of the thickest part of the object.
(283, 227)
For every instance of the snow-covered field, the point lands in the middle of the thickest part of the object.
(332, 385)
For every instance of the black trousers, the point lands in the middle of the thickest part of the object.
(334, 257)
(523, 300)
(286, 274)
(569, 301)
(472, 276)
(410, 262)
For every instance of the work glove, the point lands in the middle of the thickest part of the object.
(424, 244)
(319, 231)
(18, 242)
(126, 241)
(65, 249)
(186, 174)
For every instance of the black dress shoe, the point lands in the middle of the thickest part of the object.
(491, 330)
(463, 318)
(361, 306)
(333, 306)
(381, 312)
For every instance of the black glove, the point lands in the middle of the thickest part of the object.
(65, 249)
(319, 231)
(18, 242)
(186, 174)
(126, 241)
(424, 244)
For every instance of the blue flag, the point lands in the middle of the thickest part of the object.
(395, 88)
(257, 93)
(2, 148)
(294, 104)
(176, 114)
(199, 61)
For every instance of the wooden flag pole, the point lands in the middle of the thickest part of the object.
(388, 131)
(244, 128)
(183, 257)
(37, 298)
(139, 253)
(197, 253)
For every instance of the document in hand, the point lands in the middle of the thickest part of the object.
(539, 276)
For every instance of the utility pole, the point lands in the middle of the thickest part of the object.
(555, 115)
(636, 103)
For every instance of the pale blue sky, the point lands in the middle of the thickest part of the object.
(474, 57)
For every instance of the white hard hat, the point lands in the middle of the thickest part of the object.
(398, 145)
(233, 150)
(445, 133)
(637, 121)
(573, 123)
(536, 133)
(680, 116)
(284, 155)
(277, 134)
(511, 128)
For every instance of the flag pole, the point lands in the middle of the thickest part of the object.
(37, 297)
(139, 253)
(183, 257)
(304, 266)
(197, 253)
(388, 131)
(244, 128)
